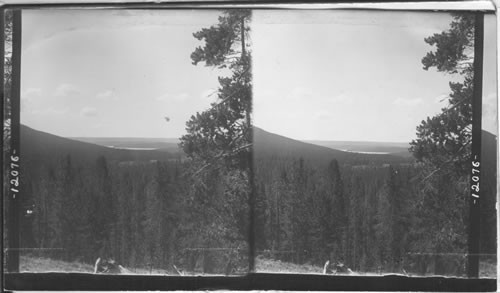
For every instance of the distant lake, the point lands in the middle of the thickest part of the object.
(372, 153)
(135, 149)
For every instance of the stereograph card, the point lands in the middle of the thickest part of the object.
(250, 146)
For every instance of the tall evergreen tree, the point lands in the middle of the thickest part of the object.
(443, 143)
(223, 132)
(218, 140)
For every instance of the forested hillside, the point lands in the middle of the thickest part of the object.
(154, 208)
(376, 217)
(83, 201)
(141, 213)
(48, 145)
(269, 144)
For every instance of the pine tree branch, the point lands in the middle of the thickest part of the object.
(445, 163)
(241, 148)
(226, 98)
(219, 155)
(433, 172)
(231, 95)
(455, 105)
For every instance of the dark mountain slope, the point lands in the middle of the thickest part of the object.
(37, 145)
(267, 144)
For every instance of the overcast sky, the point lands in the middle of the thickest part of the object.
(326, 75)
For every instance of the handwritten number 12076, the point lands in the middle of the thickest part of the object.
(14, 175)
(475, 178)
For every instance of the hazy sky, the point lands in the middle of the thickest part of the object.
(113, 73)
(328, 75)
(344, 75)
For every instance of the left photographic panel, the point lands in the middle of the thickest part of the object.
(134, 142)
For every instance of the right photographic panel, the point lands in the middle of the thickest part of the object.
(363, 144)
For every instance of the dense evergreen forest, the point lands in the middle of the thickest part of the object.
(372, 217)
(142, 213)
(154, 208)
(392, 217)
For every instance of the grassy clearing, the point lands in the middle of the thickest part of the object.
(41, 264)
(263, 265)
(487, 269)
(44, 265)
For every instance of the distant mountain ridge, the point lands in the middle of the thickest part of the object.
(37, 145)
(270, 144)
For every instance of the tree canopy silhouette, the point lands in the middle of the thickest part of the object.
(444, 141)
(221, 134)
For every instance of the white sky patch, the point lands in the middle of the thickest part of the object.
(105, 95)
(66, 89)
(31, 92)
(96, 125)
(322, 115)
(343, 98)
(181, 97)
(29, 97)
(173, 97)
(51, 111)
(299, 94)
(89, 112)
(490, 116)
(490, 80)
(210, 94)
(408, 102)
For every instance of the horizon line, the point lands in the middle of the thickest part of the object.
(302, 140)
(178, 138)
